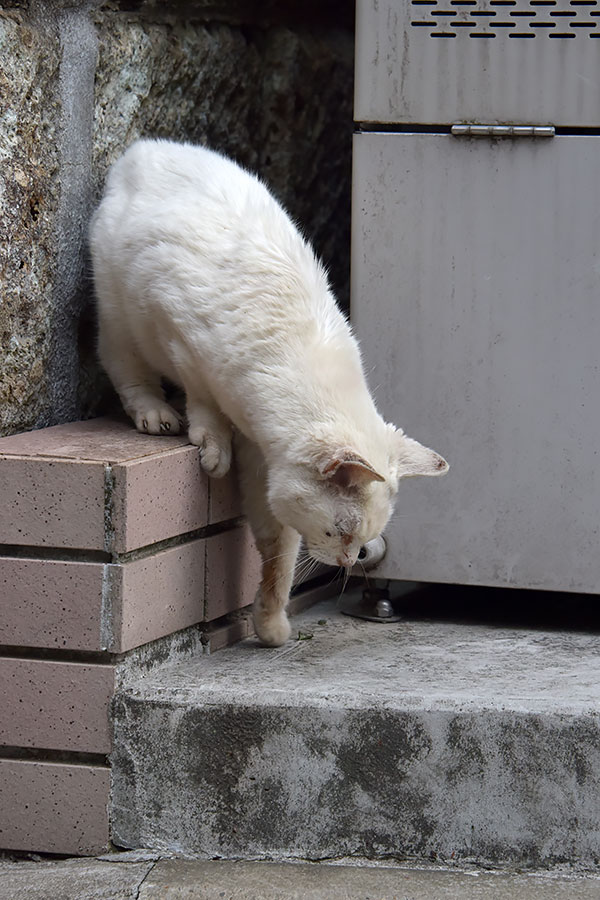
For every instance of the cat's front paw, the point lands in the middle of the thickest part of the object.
(272, 629)
(215, 455)
(161, 419)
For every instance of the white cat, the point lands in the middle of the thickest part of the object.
(201, 277)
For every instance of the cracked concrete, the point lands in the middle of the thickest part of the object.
(146, 877)
(72, 879)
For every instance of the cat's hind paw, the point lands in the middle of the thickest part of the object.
(273, 629)
(161, 419)
(215, 455)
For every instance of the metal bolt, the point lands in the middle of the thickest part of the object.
(383, 609)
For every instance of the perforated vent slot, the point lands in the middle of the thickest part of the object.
(517, 19)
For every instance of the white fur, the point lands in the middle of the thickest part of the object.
(201, 277)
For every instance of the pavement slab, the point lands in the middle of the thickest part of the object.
(179, 879)
(71, 879)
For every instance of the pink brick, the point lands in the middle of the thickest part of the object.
(56, 482)
(52, 481)
(232, 572)
(55, 705)
(224, 499)
(101, 486)
(47, 603)
(54, 807)
(51, 502)
(116, 607)
(93, 606)
(158, 497)
(157, 595)
(97, 440)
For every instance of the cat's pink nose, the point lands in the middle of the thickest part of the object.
(345, 560)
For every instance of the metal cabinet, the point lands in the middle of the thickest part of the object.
(476, 281)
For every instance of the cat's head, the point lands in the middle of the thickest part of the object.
(338, 500)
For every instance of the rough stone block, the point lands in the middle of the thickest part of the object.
(53, 807)
(55, 705)
(29, 203)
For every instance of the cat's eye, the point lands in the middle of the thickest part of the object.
(328, 534)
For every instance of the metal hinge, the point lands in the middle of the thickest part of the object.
(499, 131)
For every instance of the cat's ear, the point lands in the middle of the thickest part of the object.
(346, 469)
(412, 458)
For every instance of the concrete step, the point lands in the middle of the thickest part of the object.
(423, 739)
(176, 879)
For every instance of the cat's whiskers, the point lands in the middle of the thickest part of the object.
(338, 599)
(305, 569)
(347, 573)
(300, 573)
(364, 571)
(278, 556)
(335, 577)
(342, 572)
(306, 563)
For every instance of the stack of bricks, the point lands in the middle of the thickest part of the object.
(109, 540)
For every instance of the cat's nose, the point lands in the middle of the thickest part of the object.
(346, 559)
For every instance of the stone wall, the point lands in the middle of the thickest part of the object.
(268, 83)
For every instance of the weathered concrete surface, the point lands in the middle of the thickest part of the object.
(412, 740)
(178, 879)
(71, 879)
(175, 879)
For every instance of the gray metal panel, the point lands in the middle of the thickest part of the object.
(476, 297)
(483, 72)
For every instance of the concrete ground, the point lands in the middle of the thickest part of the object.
(472, 741)
(142, 876)
(458, 651)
